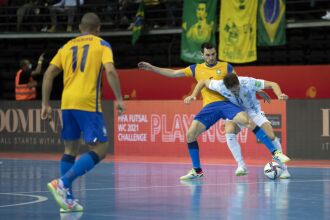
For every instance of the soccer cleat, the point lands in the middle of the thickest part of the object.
(59, 193)
(279, 156)
(326, 16)
(285, 174)
(192, 174)
(241, 171)
(73, 206)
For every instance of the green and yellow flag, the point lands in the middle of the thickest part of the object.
(238, 23)
(198, 27)
(138, 23)
(271, 23)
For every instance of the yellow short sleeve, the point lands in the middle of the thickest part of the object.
(189, 71)
(107, 56)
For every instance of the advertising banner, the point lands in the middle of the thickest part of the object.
(145, 85)
(22, 130)
(158, 128)
(309, 129)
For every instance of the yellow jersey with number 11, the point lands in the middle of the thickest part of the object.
(82, 60)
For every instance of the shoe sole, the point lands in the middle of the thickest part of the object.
(55, 196)
(241, 174)
(285, 160)
(285, 177)
(193, 178)
(70, 210)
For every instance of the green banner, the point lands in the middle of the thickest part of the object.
(198, 27)
(271, 23)
(138, 23)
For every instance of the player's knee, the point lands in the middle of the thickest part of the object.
(191, 137)
(230, 127)
(242, 119)
(101, 150)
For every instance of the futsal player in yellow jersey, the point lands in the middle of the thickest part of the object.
(82, 60)
(215, 107)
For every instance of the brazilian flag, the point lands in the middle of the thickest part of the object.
(271, 23)
(138, 23)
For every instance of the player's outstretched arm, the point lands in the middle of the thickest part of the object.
(277, 90)
(113, 80)
(38, 68)
(47, 85)
(264, 95)
(198, 88)
(162, 71)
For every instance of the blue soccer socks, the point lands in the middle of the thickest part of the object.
(262, 136)
(194, 154)
(66, 164)
(85, 163)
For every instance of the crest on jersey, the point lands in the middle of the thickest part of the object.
(218, 72)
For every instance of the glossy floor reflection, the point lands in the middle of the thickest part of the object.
(153, 191)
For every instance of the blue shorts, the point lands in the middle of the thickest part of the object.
(215, 111)
(90, 124)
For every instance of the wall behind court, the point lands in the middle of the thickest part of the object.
(22, 130)
(157, 128)
(299, 82)
(308, 129)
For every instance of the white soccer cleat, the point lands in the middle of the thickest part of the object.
(73, 206)
(241, 171)
(192, 174)
(326, 16)
(279, 156)
(285, 174)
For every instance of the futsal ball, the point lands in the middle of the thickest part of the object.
(272, 170)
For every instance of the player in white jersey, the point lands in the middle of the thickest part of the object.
(242, 92)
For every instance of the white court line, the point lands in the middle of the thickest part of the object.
(39, 199)
(181, 185)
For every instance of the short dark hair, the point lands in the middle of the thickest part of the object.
(90, 21)
(230, 80)
(207, 46)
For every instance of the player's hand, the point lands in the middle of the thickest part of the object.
(283, 97)
(264, 95)
(41, 58)
(121, 107)
(145, 66)
(46, 112)
(189, 99)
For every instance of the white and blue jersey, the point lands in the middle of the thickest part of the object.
(246, 99)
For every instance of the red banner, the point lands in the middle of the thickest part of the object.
(158, 129)
(298, 82)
